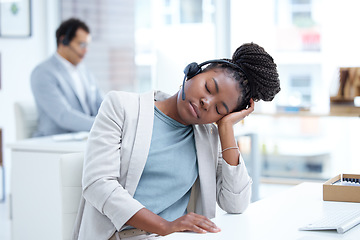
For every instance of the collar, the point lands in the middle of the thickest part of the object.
(68, 65)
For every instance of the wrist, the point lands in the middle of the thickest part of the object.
(165, 228)
(230, 148)
(225, 127)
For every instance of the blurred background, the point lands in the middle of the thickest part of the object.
(145, 44)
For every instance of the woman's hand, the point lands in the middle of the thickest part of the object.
(226, 133)
(148, 221)
(235, 117)
(192, 222)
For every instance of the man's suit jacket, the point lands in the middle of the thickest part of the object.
(58, 105)
(115, 157)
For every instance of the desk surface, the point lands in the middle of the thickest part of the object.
(278, 217)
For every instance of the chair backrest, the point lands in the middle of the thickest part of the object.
(71, 166)
(26, 117)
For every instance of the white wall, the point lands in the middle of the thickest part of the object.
(18, 57)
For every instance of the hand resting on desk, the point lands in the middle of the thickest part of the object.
(149, 221)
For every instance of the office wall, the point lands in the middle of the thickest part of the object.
(18, 57)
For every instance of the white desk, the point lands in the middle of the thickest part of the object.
(35, 187)
(278, 217)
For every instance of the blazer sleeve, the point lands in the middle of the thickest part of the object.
(101, 185)
(50, 99)
(233, 185)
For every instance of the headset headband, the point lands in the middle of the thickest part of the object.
(193, 69)
(219, 61)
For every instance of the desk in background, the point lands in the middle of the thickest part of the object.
(277, 217)
(35, 187)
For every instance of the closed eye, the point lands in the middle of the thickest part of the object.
(217, 110)
(207, 89)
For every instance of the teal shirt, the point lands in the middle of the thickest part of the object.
(170, 170)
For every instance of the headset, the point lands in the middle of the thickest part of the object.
(66, 41)
(194, 69)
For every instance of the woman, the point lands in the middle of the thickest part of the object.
(156, 164)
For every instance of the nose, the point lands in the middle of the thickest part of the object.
(205, 103)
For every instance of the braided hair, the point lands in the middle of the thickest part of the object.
(257, 74)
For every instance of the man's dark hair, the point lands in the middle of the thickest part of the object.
(68, 28)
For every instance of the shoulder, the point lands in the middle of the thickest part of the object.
(119, 105)
(49, 62)
(121, 96)
(126, 100)
(47, 66)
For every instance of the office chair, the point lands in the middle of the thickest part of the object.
(71, 166)
(25, 119)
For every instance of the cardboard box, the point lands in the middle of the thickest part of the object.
(341, 193)
(344, 109)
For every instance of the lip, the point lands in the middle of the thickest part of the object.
(194, 110)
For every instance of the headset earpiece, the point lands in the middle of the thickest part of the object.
(192, 70)
(65, 41)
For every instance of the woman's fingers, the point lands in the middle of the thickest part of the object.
(195, 223)
(208, 226)
(236, 117)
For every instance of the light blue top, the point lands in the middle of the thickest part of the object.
(170, 170)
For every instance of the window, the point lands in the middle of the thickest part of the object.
(169, 35)
(111, 55)
(309, 40)
(142, 45)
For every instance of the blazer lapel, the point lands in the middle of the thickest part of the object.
(207, 170)
(142, 141)
(65, 77)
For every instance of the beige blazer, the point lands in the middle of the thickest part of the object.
(115, 157)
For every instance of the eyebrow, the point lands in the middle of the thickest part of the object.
(217, 90)
(216, 85)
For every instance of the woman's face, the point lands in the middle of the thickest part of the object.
(209, 96)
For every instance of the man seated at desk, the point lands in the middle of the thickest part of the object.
(66, 96)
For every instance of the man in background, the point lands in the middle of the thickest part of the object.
(65, 93)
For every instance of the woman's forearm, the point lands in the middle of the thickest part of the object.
(228, 142)
(148, 221)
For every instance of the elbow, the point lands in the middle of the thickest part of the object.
(240, 208)
(237, 207)
(235, 203)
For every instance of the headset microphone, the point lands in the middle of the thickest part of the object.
(183, 89)
(78, 54)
